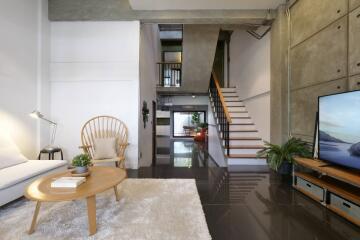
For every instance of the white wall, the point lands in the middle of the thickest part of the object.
(94, 71)
(250, 73)
(23, 72)
(149, 55)
(215, 147)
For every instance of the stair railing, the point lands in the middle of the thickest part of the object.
(169, 74)
(221, 110)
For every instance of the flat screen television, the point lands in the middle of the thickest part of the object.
(339, 129)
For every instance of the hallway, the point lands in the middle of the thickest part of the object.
(250, 203)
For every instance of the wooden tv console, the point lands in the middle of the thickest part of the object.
(336, 188)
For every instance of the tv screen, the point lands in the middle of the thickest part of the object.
(339, 129)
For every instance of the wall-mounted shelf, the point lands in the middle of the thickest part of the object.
(336, 188)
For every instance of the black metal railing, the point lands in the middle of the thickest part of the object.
(221, 112)
(169, 74)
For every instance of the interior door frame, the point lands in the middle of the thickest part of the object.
(154, 124)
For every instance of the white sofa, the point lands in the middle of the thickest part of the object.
(15, 179)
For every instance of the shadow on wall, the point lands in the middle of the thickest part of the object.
(18, 133)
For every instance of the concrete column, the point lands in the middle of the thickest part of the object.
(279, 78)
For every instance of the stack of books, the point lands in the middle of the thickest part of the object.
(68, 182)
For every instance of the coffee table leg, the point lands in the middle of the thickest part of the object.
(116, 193)
(91, 209)
(36, 213)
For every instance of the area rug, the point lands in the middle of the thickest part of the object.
(149, 209)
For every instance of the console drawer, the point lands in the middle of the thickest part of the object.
(345, 206)
(311, 188)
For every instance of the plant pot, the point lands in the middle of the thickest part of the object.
(80, 170)
(285, 168)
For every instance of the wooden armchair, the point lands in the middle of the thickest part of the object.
(105, 127)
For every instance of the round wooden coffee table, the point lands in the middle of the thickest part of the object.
(100, 180)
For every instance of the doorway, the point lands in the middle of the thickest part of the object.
(186, 123)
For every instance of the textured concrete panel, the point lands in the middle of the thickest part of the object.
(354, 82)
(309, 16)
(354, 4)
(304, 137)
(278, 79)
(120, 10)
(321, 58)
(304, 104)
(354, 42)
(199, 46)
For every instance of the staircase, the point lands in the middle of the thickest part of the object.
(240, 138)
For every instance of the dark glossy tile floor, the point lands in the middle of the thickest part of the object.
(254, 203)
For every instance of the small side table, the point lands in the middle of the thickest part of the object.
(51, 152)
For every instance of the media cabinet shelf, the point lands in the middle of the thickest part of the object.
(343, 174)
(340, 187)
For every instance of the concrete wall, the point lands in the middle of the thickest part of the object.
(149, 54)
(120, 10)
(199, 47)
(250, 73)
(24, 53)
(279, 129)
(324, 55)
(95, 71)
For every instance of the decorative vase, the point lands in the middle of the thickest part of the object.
(200, 137)
(80, 170)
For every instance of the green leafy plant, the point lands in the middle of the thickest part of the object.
(276, 154)
(195, 118)
(203, 125)
(81, 160)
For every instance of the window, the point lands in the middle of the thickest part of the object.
(184, 124)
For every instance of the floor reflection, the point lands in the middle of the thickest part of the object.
(182, 153)
(250, 203)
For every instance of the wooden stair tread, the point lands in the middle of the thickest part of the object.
(246, 138)
(241, 117)
(245, 130)
(229, 96)
(246, 147)
(244, 156)
(238, 111)
(242, 123)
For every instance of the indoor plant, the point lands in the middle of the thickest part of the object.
(201, 132)
(281, 158)
(81, 163)
(195, 118)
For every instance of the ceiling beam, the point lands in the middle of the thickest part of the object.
(120, 10)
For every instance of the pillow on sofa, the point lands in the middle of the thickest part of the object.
(10, 156)
(105, 148)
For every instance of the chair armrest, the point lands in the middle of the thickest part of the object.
(124, 144)
(85, 147)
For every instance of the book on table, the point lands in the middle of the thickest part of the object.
(68, 182)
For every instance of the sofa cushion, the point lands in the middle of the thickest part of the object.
(31, 168)
(10, 157)
(105, 148)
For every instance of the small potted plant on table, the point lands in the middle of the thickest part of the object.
(81, 163)
(281, 158)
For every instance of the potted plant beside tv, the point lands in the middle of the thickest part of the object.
(281, 157)
(81, 163)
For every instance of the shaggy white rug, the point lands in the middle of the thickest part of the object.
(149, 209)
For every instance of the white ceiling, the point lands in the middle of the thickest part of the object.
(204, 4)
